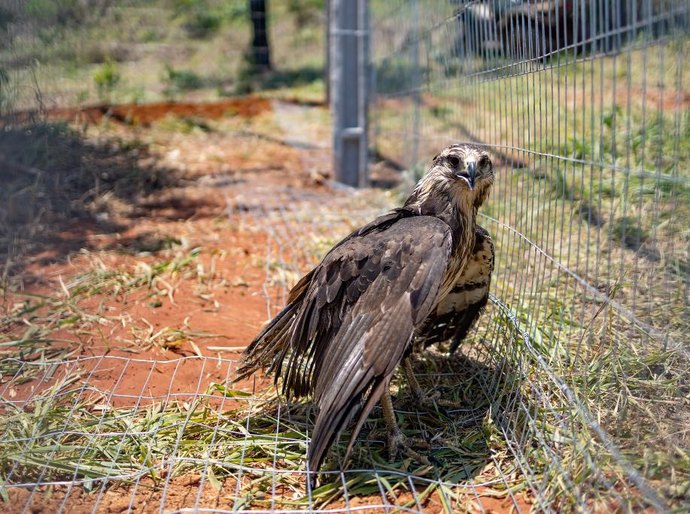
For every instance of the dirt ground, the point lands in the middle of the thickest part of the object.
(194, 212)
(185, 491)
(208, 176)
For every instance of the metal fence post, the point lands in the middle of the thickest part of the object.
(349, 34)
(416, 85)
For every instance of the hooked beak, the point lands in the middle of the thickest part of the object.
(469, 173)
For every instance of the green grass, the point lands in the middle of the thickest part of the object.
(181, 80)
(250, 442)
(247, 441)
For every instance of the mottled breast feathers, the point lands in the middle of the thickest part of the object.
(459, 309)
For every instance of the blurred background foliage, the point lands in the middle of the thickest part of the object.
(58, 53)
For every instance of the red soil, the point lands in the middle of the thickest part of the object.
(230, 309)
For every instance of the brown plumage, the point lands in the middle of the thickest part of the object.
(418, 274)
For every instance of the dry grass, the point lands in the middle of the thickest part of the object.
(141, 51)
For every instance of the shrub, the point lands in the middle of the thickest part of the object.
(178, 81)
(200, 20)
(106, 78)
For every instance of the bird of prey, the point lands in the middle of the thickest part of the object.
(415, 276)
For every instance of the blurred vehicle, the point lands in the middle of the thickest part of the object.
(519, 29)
(527, 29)
(534, 29)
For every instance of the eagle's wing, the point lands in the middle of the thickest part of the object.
(270, 348)
(457, 312)
(356, 321)
(350, 320)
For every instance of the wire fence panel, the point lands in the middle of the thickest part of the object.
(584, 107)
(181, 437)
(572, 393)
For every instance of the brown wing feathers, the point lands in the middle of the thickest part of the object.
(269, 348)
(413, 272)
(362, 356)
(352, 319)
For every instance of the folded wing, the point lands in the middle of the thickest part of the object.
(379, 288)
(350, 321)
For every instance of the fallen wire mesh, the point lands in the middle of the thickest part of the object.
(235, 449)
(77, 434)
(584, 108)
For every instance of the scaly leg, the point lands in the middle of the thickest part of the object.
(397, 441)
(417, 390)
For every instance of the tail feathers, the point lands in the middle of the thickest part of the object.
(271, 346)
(326, 428)
(333, 418)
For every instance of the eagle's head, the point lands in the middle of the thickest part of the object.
(462, 172)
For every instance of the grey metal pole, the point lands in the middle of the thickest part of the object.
(327, 74)
(416, 94)
(349, 64)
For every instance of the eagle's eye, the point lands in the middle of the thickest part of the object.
(454, 161)
(483, 162)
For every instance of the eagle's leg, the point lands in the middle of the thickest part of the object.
(397, 441)
(420, 396)
(417, 390)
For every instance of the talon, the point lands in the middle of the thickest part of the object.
(436, 404)
(450, 404)
(399, 442)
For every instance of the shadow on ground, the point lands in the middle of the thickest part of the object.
(54, 182)
(463, 440)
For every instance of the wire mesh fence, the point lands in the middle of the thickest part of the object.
(573, 389)
(584, 107)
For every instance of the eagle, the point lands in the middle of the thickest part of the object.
(415, 276)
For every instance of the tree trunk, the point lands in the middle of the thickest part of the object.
(261, 54)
